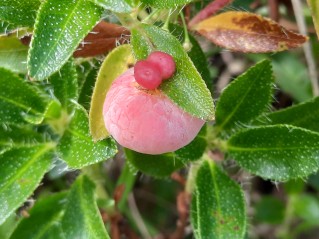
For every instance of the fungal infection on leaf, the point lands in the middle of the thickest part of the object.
(146, 121)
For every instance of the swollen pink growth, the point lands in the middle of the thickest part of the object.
(146, 121)
(165, 62)
(147, 74)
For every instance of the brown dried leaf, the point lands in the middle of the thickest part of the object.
(103, 38)
(248, 32)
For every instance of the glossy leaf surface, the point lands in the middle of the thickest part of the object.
(21, 172)
(196, 54)
(12, 136)
(218, 205)
(65, 215)
(77, 146)
(186, 88)
(46, 215)
(15, 106)
(13, 54)
(278, 152)
(21, 13)
(65, 85)
(114, 5)
(88, 79)
(60, 27)
(303, 115)
(166, 3)
(116, 63)
(82, 218)
(248, 32)
(245, 98)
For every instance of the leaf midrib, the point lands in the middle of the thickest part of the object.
(26, 166)
(18, 104)
(228, 118)
(78, 134)
(216, 191)
(45, 61)
(57, 216)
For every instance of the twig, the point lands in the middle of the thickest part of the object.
(183, 200)
(137, 216)
(297, 6)
(178, 178)
(273, 9)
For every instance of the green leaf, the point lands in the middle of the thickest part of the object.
(116, 63)
(159, 166)
(164, 165)
(218, 205)
(306, 207)
(313, 181)
(65, 85)
(60, 27)
(65, 216)
(46, 215)
(270, 210)
(194, 150)
(21, 172)
(82, 218)
(13, 54)
(6, 27)
(280, 152)
(196, 54)
(114, 5)
(77, 147)
(166, 3)
(186, 88)
(84, 68)
(86, 80)
(7, 228)
(21, 101)
(12, 136)
(303, 115)
(127, 178)
(245, 98)
(295, 186)
(21, 13)
(292, 76)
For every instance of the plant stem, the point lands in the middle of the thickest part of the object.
(149, 17)
(313, 74)
(284, 233)
(95, 174)
(187, 43)
(127, 178)
(166, 24)
(127, 20)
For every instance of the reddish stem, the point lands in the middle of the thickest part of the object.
(209, 10)
(183, 201)
(273, 10)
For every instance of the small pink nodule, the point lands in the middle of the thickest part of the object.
(146, 121)
(165, 62)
